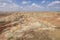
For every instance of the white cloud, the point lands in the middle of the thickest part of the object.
(5, 0)
(3, 4)
(43, 2)
(9, 7)
(26, 2)
(53, 3)
(21, 7)
(34, 5)
(13, 5)
(10, 1)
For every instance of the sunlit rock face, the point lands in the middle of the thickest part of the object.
(29, 26)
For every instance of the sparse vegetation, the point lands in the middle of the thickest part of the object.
(30, 26)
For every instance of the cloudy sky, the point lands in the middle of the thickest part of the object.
(29, 5)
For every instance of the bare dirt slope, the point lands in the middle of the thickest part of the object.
(30, 26)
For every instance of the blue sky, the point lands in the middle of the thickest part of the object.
(29, 5)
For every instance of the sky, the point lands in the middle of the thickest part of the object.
(29, 5)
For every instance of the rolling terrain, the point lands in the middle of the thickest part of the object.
(30, 26)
